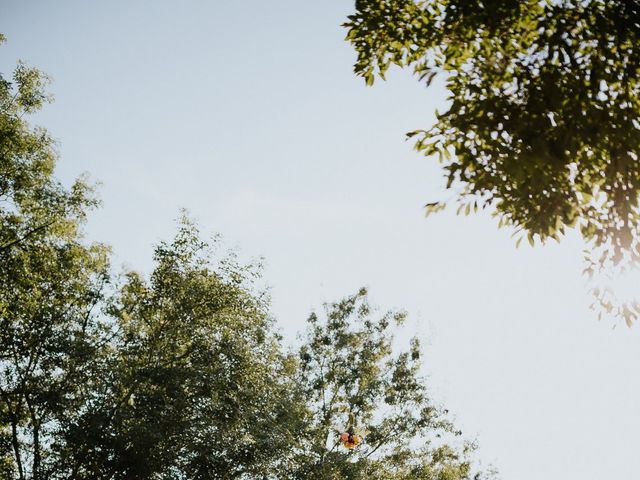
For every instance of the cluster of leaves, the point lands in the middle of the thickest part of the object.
(543, 124)
(349, 370)
(50, 282)
(179, 374)
(196, 385)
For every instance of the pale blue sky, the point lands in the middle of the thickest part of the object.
(248, 114)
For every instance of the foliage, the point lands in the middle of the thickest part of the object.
(542, 124)
(50, 281)
(349, 368)
(197, 386)
(179, 374)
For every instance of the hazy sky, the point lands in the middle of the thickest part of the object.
(248, 114)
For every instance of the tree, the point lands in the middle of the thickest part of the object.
(179, 374)
(197, 385)
(349, 369)
(50, 284)
(543, 124)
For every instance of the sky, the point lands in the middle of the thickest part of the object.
(248, 114)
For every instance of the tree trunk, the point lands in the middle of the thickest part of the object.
(15, 443)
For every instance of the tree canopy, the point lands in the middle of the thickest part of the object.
(195, 383)
(50, 283)
(181, 374)
(543, 122)
(349, 369)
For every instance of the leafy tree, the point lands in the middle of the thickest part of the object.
(348, 368)
(542, 125)
(197, 385)
(180, 377)
(179, 374)
(50, 282)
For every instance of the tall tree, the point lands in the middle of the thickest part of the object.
(543, 124)
(50, 283)
(349, 370)
(197, 385)
(179, 374)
